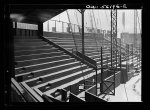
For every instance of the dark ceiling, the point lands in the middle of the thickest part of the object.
(34, 15)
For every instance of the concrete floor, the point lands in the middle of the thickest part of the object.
(133, 90)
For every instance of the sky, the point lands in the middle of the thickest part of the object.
(101, 19)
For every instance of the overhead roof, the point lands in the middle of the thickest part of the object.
(34, 15)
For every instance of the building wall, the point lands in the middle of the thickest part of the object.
(128, 38)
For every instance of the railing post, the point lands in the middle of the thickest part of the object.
(48, 26)
(74, 28)
(15, 29)
(96, 82)
(62, 26)
(120, 55)
(82, 13)
(40, 29)
(132, 53)
(111, 39)
(55, 25)
(101, 84)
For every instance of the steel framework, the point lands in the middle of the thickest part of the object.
(113, 55)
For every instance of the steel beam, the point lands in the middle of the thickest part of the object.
(82, 14)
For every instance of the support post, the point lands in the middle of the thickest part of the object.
(48, 25)
(55, 25)
(116, 37)
(120, 55)
(128, 57)
(96, 82)
(40, 29)
(111, 38)
(101, 86)
(15, 29)
(62, 26)
(74, 28)
(82, 14)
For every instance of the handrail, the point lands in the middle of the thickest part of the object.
(87, 59)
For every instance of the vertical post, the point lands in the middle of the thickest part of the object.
(116, 38)
(132, 52)
(107, 60)
(138, 58)
(135, 28)
(68, 28)
(82, 14)
(111, 38)
(101, 86)
(140, 55)
(55, 25)
(40, 29)
(48, 26)
(74, 28)
(15, 29)
(113, 32)
(96, 81)
(120, 55)
(62, 26)
(114, 79)
(127, 58)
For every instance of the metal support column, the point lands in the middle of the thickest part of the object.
(127, 56)
(74, 28)
(40, 29)
(15, 29)
(48, 25)
(135, 28)
(113, 32)
(132, 53)
(102, 82)
(96, 82)
(111, 38)
(55, 25)
(120, 55)
(82, 13)
(62, 26)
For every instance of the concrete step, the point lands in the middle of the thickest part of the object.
(23, 48)
(35, 51)
(36, 56)
(29, 43)
(27, 40)
(61, 79)
(40, 60)
(48, 71)
(46, 65)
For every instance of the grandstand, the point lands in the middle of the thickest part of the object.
(66, 61)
